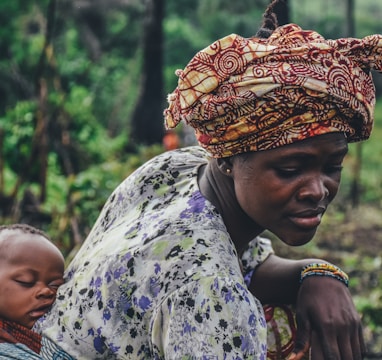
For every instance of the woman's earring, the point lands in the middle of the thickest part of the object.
(228, 171)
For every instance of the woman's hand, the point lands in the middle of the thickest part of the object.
(327, 321)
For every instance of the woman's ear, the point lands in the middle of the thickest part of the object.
(225, 166)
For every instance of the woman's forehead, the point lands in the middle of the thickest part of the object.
(334, 144)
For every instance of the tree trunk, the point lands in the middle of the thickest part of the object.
(2, 162)
(350, 24)
(147, 118)
(355, 190)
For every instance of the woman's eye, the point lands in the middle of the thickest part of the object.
(287, 171)
(332, 169)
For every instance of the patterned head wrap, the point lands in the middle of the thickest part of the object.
(255, 94)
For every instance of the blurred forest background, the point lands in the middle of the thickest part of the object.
(83, 85)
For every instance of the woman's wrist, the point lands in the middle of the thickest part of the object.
(324, 269)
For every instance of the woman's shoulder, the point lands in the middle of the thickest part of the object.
(168, 168)
(188, 156)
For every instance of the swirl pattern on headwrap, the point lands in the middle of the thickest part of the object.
(250, 94)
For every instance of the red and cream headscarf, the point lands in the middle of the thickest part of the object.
(249, 94)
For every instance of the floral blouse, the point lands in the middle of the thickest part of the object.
(158, 276)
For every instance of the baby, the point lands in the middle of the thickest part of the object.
(31, 270)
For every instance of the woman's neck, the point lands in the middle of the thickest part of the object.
(219, 190)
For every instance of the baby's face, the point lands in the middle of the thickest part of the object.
(30, 274)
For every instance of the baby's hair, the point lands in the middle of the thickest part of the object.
(270, 22)
(25, 228)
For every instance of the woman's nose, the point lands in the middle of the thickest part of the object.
(314, 189)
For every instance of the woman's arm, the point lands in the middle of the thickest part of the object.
(325, 313)
(277, 280)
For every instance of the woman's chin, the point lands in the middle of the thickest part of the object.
(297, 240)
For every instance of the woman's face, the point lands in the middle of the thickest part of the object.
(287, 190)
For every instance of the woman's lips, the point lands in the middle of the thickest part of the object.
(307, 220)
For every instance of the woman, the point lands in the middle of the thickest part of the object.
(175, 267)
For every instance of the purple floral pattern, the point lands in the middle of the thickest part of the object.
(158, 276)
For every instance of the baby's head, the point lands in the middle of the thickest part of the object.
(31, 270)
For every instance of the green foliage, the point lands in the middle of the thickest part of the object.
(18, 126)
(81, 197)
(368, 15)
(329, 17)
(75, 63)
(236, 16)
(182, 9)
(185, 35)
(370, 180)
(114, 86)
(370, 303)
(183, 40)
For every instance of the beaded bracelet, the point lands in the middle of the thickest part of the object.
(324, 269)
